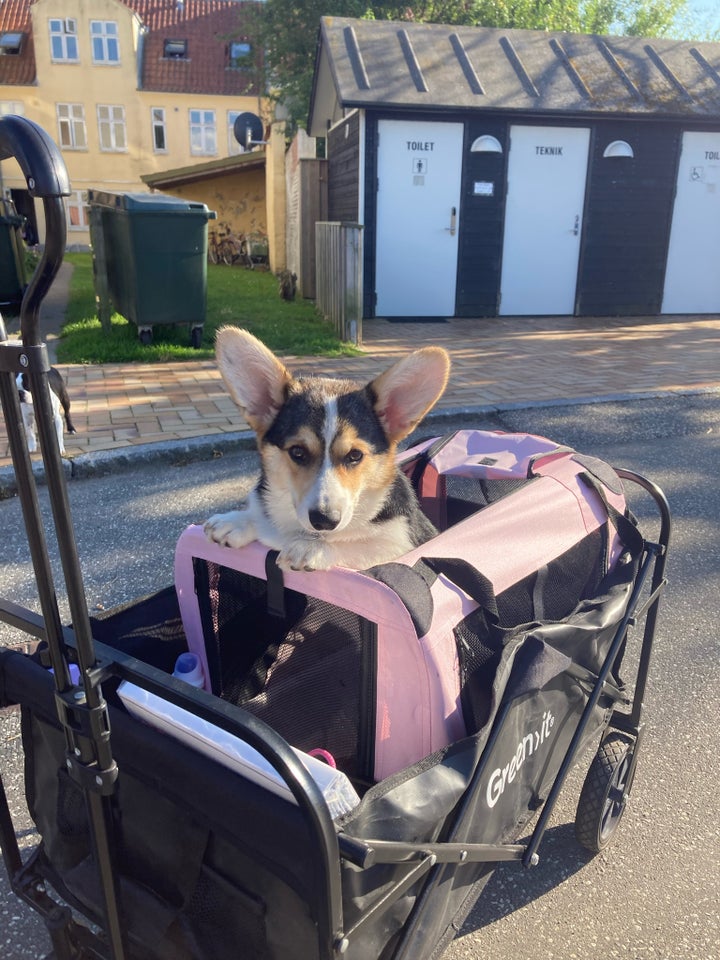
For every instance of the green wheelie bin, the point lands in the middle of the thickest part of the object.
(150, 258)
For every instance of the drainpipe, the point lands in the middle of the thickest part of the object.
(142, 33)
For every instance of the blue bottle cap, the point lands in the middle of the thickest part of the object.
(187, 663)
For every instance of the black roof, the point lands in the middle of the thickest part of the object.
(411, 66)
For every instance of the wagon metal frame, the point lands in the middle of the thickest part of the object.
(82, 711)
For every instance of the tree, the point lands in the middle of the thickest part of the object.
(288, 30)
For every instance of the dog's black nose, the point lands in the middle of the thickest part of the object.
(322, 521)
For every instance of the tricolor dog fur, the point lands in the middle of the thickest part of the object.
(329, 491)
(59, 399)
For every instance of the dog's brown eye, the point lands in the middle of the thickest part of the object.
(353, 457)
(298, 454)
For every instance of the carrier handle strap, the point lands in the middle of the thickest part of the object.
(424, 458)
(465, 576)
(627, 529)
(275, 585)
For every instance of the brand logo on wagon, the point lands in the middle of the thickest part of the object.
(530, 744)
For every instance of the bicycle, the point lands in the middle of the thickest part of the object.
(213, 247)
(226, 246)
(233, 247)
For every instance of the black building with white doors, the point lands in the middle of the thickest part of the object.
(510, 172)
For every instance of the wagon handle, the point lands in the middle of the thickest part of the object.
(47, 179)
(88, 747)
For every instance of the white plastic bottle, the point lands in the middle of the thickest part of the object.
(189, 669)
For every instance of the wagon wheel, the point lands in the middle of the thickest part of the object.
(604, 793)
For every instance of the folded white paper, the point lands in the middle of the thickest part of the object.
(232, 752)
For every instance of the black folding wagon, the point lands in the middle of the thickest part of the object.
(179, 822)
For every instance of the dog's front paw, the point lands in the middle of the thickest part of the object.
(306, 553)
(234, 529)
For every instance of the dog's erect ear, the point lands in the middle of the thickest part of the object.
(253, 374)
(410, 388)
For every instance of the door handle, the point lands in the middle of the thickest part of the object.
(576, 228)
(453, 221)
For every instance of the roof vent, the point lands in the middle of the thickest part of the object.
(618, 148)
(486, 144)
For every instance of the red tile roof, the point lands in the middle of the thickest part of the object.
(17, 69)
(206, 25)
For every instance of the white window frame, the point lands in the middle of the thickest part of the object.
(72, 131)
(12, 108)
(106, 36)
(158, 122)
(111, 128)
(64, 30)
(203, 132)
(76, 211)
(234, 147)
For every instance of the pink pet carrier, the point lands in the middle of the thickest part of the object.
(385, 666)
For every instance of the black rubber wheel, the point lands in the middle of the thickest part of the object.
(196, 338)
(602, 800)
(146, 337)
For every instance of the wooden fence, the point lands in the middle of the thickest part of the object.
(338, 266)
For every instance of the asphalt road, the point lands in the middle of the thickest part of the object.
(653, 895)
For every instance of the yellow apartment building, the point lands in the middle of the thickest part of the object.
(133, 89)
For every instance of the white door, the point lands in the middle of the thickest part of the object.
(547, 169)
(692, 274)
(418, 216)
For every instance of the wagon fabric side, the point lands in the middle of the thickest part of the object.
(473, 660)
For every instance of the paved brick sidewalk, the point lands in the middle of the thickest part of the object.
(495, 361)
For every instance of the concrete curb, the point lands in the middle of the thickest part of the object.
(106, 462)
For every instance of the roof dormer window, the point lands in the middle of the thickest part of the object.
(175, 50)
(11, 43)
(239, 54)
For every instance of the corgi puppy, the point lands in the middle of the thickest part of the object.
(329, 491)
(58, 398)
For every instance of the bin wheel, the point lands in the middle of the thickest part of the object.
(604, 793)
(146, 337)
(196, 338)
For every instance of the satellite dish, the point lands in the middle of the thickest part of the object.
(248, 130)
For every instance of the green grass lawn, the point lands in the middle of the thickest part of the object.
(244, 298)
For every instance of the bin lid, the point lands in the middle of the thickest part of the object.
(146, 202)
